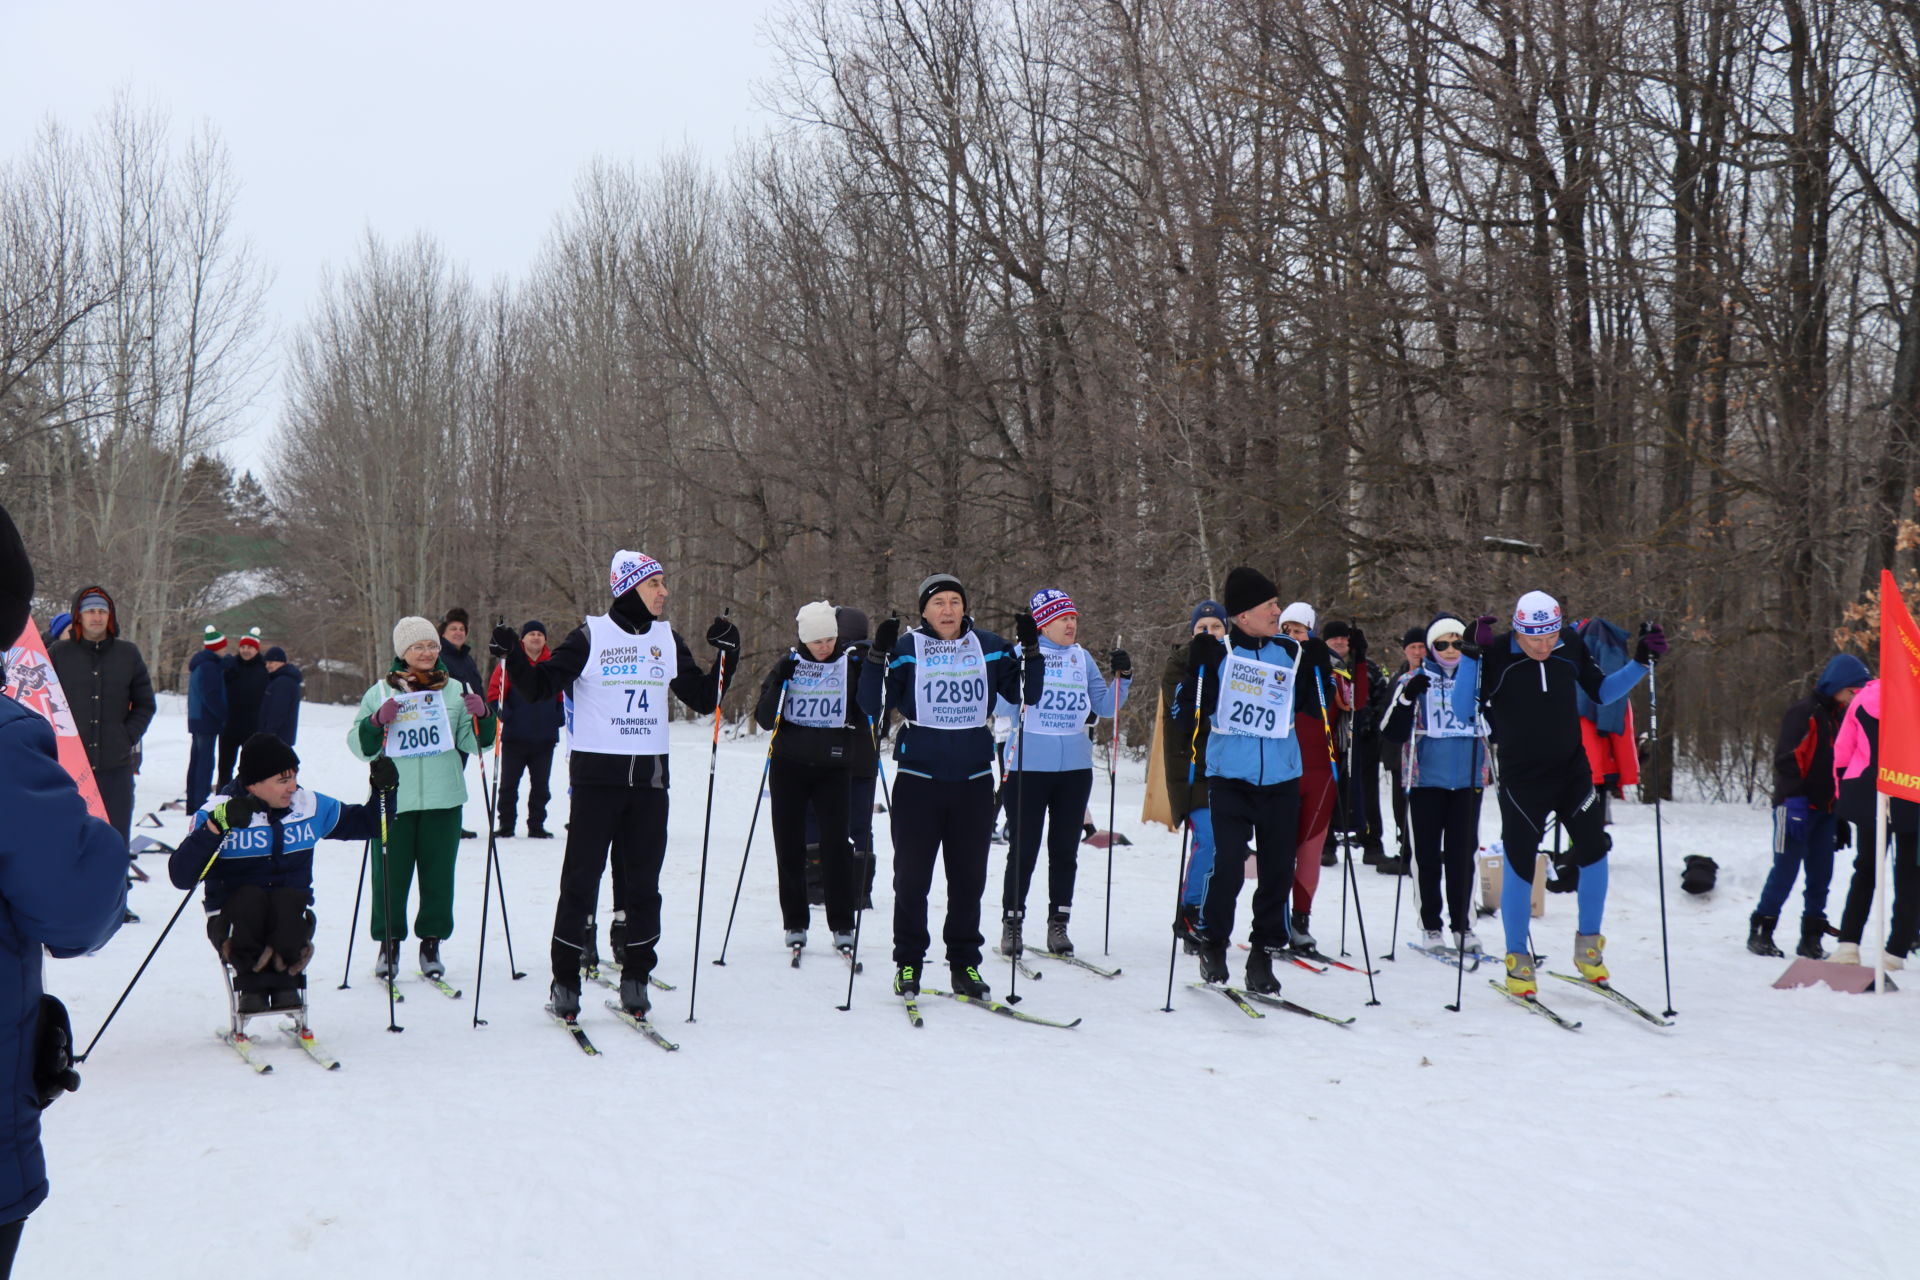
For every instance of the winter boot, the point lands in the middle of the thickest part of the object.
(253, 1002)
(564, 1000)
(906, 981)
(1892, 960)
(1812, 929)
(1260, 972)
(1373, 855)
(633, 995)
(796, 939)
(1847, 953)
(1760, 935)
(1392, 865)
(387, 963)
(504, 831)
(430, 964)
(968, 982)
(537, 832)
(1213, 962)
(284, 999)
(1302, 939)
(1589, 957)
(1329, 856)
(1010, 944)
(1057, 940)
(1520, 979)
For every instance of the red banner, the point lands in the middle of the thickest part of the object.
(1899, 694)
(32, 683)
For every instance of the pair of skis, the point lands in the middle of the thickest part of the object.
(643, 1025)
(1060, 957)
(1245, 1000)
(1603, 989)
(990, 1005)
(845, 953)
(438, 984)
(243, 1044)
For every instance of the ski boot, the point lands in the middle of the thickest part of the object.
(564, 1000)
(1468, 942)
(1520, 979)
(387, 963)
(1260, 972)
(1372, 855)
(843, 941)
(1812, 929)
(1010, 942)
(906, 981)
(796, 939)
(1186, 926)
(430, 963)
(1588, 957)
(1213, 962)
(1760, 935)
(968, 982)
(1057, 940)
(1329, 856)
(1302, 940)
(633, 995)
(1432, 939)
(617, 939)
(1847, 953)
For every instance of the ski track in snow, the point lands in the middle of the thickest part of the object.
(1768, 1134)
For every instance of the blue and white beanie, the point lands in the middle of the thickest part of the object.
(1537, 614)
(1049, 603)
(630, 569)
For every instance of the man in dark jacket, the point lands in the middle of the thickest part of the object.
(1366, 685)
(1803, 793)
(206, 713)
(280, 704)
(246, 685)
(529, 730)
(62, 889)
(105, 682)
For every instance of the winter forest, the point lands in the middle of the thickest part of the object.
(1412, 304)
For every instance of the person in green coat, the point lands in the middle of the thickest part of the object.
(421, 719)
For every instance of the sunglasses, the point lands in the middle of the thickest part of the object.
(1441, 646)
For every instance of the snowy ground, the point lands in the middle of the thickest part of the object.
(1769, 1134)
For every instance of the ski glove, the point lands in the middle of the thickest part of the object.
(1798, 811)
(886, 638)
(1483, 630)
(502, 642)
(1468, 649)
(476, 705)
(1356, 648)
(723, 635)
(1122, 663)
(383, 775)
(386, 713)
(1416, 685)
(236, 811)
(1652, 646)
(1204, 651)
(783, 670)
(1026, 629)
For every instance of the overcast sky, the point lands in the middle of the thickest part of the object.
(467, 120)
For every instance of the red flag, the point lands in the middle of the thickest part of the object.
(1899, 694)
(31, 682)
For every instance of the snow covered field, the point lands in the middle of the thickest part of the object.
(1769, 1134)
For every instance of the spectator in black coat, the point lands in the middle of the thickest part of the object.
(246, 686)
(457, 658)
(280, 705)
(105, 682)
(529, 731)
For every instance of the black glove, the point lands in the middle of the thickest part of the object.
(236, 811)
(1842, 836)
(886, 638)
(1356, 648)
(383, 775)
(1204, 651)
(502, 641)
(723, 635)
(1314, 652)
(1468, 649)
(783, 670)
(1122, 663)
(1028, 630)
(1417, 684)
(1652, 646)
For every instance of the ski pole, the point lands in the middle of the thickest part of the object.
(493, 865)
(1016, 859)
(151, 951)
(480, 967)
(752, 824)
(1113, 783)
(706, 829)
(1186, 836)
(386, 922)
(353, 926)
(1359, 916)
(1659, 839)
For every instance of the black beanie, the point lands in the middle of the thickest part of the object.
(532, 624)
(275, 654)
(1414, 635)
(16, 582)
(851, 622)
(942, 582)
(264, 756)
(1247, 588)
(1334, 630)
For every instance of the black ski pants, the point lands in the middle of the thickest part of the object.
(253, 919)
(630, 825)
(1446, 835)
(535, 759)
(1363, 793)
(1527, 803)
(1263, 820)
(793, 787)
(940, 820)
(1903, 920)
(1057, 801)
(116, 792)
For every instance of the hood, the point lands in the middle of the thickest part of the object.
(1868, 699)
(1843, 671)
(113, 611)
(287, 671)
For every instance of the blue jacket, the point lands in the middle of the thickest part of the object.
(1449, 764)
(1241, 757)
(1061, 753)
(63, 885)
(946, 755)
(1609, 646)
(206, 693)
(274, 851)
(280, 704)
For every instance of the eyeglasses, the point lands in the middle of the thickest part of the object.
(1441, 646)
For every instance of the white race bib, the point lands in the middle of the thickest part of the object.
(619, 704)
(949, 682)
(1441, 721)
(1256, 699)
(817, 694)
(422, 727)
(1064, 702)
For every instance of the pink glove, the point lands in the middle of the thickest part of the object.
(476, 705)
(385, 715)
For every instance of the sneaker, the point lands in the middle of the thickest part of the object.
(1520, 979)
(633, 995)
(968, 982)
(564, 1000)
(430, 963)
(537, 832)
(1302, 939)
(387, 963)
(1468, 942)
(1010, 943)
(1057, 940)
(1847, 953)
(843, 941)
(796, 939)
(1213, 962)
(1890, 961)
(906, 981)
(284, 999)
(1260, 972)
(253, 1002)
(1588, 957)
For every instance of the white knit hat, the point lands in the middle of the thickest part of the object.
(1447, 625)
(1299, 611)
(817, 621)
(411, 631)
(1536, 614)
